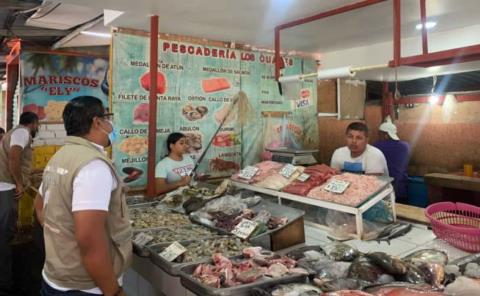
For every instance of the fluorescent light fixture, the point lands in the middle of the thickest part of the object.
(433, 100)
(96, 34)
(428, 25)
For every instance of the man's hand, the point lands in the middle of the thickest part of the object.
(19, 191)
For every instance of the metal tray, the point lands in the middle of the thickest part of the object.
(140, 200)
(189, 282)
(160, 210)
(145, 252)
(173, 268)
(385, 180)
(263, 239)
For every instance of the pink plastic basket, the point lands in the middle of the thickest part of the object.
(456, 223)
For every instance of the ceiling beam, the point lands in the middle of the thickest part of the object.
(29, 32)
(15, 4)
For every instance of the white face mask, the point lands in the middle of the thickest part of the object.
(112, 136)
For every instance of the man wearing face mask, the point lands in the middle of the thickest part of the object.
(15, 168)
(82, 208)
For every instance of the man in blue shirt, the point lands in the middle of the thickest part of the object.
(397, 154)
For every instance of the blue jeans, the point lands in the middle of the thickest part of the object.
(49, 291)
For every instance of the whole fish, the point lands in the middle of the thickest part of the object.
(434, 273)
(397, 231)
(328, 285)
(414, 275)
(428, 256)
(391, 265)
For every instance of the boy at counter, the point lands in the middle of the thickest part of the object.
(358, 156)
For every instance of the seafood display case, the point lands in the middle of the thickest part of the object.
(383, 192)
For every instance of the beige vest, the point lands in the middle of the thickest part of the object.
(26, 158)
(63, 263)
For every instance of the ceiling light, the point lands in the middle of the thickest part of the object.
(96, 34)
(432, 100)
(428, 25)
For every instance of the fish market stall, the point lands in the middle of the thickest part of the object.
(166, 239)
(361, 194)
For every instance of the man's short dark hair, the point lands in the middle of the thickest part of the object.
(28, 118)
(79, 113)
(357, 126)
(2, 131)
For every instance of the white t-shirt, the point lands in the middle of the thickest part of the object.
(174, 170)
(20, 138)
(92, 189)
(372, 161)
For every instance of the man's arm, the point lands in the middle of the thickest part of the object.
(14, 167)
(92, 239)
(377, 164)
(38, 205)
(335, 163)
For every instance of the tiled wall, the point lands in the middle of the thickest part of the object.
(49, 139)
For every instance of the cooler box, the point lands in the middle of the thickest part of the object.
(417, 192)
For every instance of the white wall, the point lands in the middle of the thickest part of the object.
(382, 53)
(50, 134)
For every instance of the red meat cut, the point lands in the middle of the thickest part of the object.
(215, 84)
(161, 82)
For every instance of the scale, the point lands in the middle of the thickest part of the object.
(295, 157)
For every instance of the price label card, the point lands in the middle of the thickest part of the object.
(248, 172)
(173, 251)
(303, 177)
(244, 228)
(337, 186)
(288, 170)
(142, 239)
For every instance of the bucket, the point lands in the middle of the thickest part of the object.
(417, 192)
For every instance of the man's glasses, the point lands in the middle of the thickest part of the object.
(107, 116)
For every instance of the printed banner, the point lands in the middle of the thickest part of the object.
(49, 81)
(196, 85)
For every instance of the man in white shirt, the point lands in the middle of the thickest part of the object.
(82, 208)
(358, 156)
(15, 166)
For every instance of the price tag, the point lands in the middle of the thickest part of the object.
(244, 228)
(288, 170)
(303, 177)
(248, 172)
(142, 239)
(173, 251)
(337, 186)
